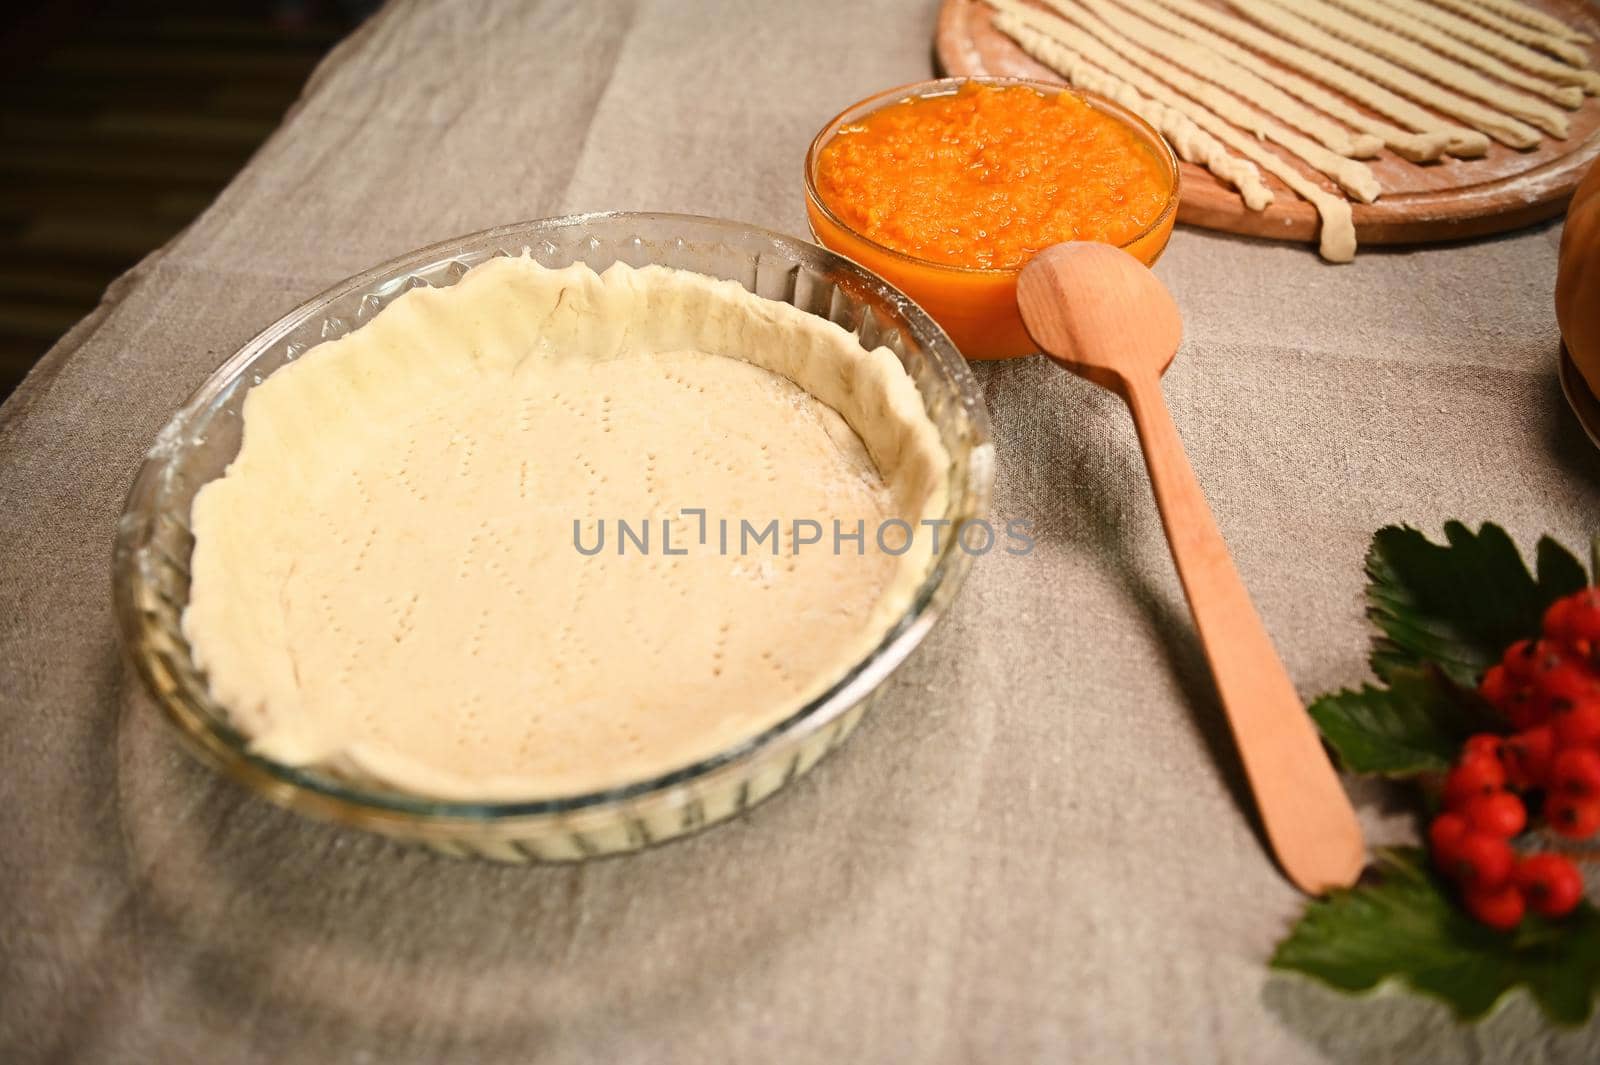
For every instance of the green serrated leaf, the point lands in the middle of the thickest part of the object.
(1404, 925)
(1559, 569)
(1416, 725)
(1458, 604)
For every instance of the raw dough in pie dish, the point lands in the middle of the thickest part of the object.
(388, 581)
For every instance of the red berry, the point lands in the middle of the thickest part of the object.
(1576, 772)
(1524, 709)
(1496, 687)
(1481, 860)
(1579, 726)
(1526, 756)
(1557, 623)
(1484, 743)
(1558, 680)
(1574, 619)
(1550, 882)
(1566, 686)
(1573, 816)
(1518, 660)
(1444, 834)
(1501, 814)
(1500, 908)
(1545, 657)
(1474, 775)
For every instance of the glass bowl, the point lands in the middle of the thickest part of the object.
(153, 546)
(976, 306)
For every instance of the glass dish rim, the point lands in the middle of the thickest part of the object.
(226, 749)
(939, 87)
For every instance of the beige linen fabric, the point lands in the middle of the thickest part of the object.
(1033, 850)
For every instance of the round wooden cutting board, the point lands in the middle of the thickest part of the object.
(1447, 200)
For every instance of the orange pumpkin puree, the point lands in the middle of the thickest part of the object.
(990, 174)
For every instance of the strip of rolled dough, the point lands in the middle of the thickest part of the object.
(1424, 61)
(1387, 14)
(1417, 147)
(1532, 16)
(1560, 47)
(1498, 45)
(1240, 81)
(1501, 127)
(1463, 143)
(1337, 238)
(1187, 139)
(1355, 178)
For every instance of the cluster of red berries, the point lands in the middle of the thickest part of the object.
(1549, 692)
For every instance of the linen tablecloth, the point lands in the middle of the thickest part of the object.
(1035, 849)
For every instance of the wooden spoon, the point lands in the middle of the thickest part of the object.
(1099, 312)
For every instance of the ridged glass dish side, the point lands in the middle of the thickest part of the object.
(151, 566)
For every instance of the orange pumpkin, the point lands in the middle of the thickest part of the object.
(1578, 279)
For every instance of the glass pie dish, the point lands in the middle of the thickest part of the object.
(154, 544)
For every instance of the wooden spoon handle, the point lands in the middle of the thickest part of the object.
(1308, 818)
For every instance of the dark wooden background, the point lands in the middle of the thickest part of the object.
(119, 122)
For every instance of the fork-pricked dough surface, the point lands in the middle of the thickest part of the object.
(386, 580)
